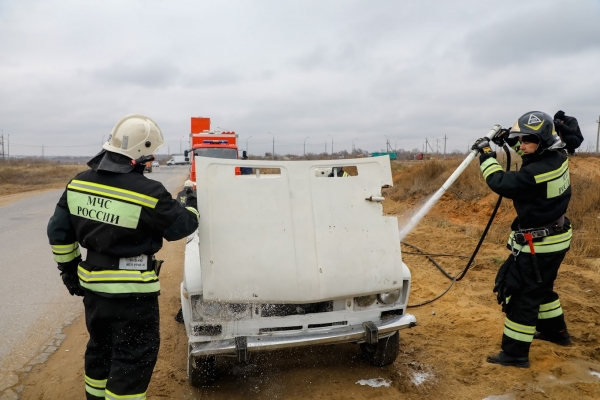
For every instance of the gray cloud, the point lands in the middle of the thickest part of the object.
(537, 32)
(149, 74)
(356, 70)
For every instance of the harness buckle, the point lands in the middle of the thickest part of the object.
(535, 233)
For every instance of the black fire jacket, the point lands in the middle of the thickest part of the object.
(117, 215)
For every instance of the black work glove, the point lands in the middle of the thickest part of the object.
(71, 281)
(501, 137)
(485, 155)
(480, 144)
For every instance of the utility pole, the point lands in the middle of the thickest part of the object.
(598, 135)
(428, 145)
(445, 137)
(331, 143)
(43, 152)
(273, 152)
(305, 145)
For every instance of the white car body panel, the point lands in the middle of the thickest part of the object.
(295, 237)
(286, 260)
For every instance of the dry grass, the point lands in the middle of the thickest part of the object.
(421, 179)
(32, 174)
(472, 201)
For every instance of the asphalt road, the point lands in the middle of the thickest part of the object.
(34, 304)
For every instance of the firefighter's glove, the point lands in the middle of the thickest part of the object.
(501, 137)
(71, 281)
(507, 283)
(485, 154)
(480, 144)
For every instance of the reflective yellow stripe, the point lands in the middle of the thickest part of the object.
(549, 244)
(550, 306)
(64, 248)
(192, 209)
(522, 333)
(116, 275)
(101, 384)
(548, 176)
(111, 396)
(119, 281)
(115, 288)
(490, 166)
(95, 392)
(550, 310)
(63, 258)
(518, 327)
(558, 186)
(113, 192)
(550, 314)
(521, 337)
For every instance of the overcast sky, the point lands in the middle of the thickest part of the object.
(347, 71)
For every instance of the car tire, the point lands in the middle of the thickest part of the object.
(384, 352)
(202, 371)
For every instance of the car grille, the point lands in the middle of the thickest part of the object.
(283, 310)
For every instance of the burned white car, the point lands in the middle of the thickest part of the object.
(290, 256)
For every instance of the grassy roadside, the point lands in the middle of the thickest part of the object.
(26, 175)
(470, 201)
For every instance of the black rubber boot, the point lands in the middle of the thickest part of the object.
(508, 361)
(561, 338)
(179, 316)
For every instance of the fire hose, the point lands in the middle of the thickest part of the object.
(425, 209)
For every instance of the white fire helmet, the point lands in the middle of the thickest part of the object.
(135, 136)
(188, 183)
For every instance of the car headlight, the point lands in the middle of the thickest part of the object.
(365, 301)
(389, 297)
(216, 311)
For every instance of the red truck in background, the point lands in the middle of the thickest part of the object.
(207, 143)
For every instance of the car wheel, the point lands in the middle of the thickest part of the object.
(384, 352)
(202, 371)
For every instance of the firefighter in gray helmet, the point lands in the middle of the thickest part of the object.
(121, 218)
(540, 238)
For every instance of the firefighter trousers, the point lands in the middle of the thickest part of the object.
(534, 306)
(123, 345)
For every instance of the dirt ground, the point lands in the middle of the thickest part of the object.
(443, 357)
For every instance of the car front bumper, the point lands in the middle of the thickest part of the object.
(283, 340)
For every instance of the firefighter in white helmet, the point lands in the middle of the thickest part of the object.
(121, 218)
(187, 192)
